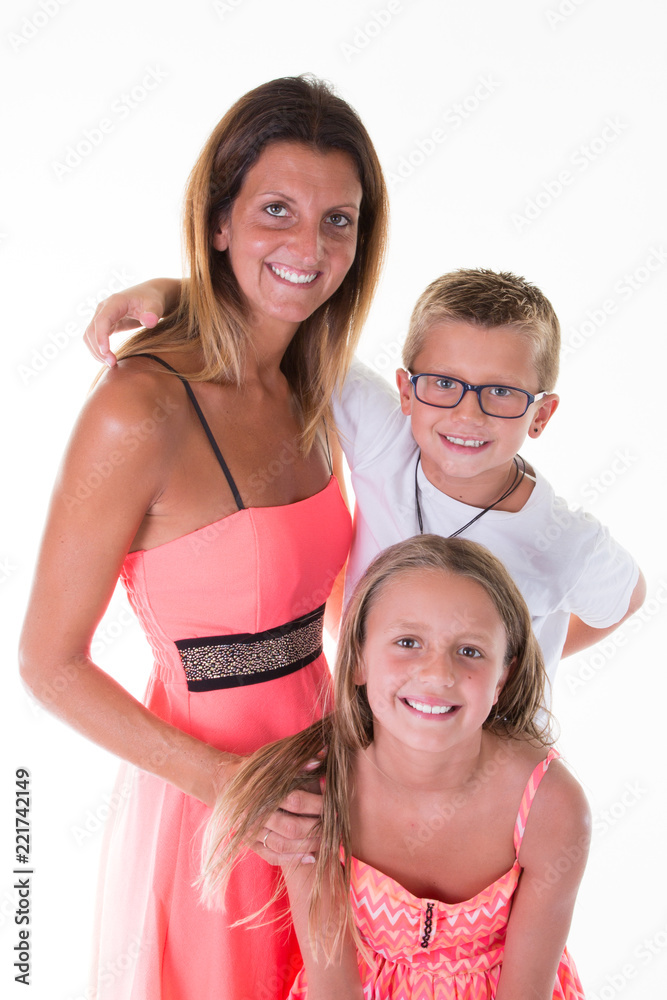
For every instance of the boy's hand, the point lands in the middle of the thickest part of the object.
(140, 305)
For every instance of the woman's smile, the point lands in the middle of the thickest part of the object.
(291, 235)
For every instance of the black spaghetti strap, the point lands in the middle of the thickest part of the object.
(328, 451)
(204, 423)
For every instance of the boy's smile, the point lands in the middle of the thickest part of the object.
(466, 453)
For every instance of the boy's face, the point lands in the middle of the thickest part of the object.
(463, 445)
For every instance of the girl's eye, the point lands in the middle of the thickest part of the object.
(339, 220)
(276, 211)
(470, 652)
(407, 643)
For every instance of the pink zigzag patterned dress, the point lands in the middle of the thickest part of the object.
(424, 949)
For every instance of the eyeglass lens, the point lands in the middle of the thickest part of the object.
(495, 400)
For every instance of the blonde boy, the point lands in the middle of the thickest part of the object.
(481, 362)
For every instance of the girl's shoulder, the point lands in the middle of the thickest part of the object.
(523, 763)
(557, 811)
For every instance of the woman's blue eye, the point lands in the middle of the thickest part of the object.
(279, 214)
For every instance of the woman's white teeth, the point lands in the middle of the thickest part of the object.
(466, 443)
(296, 279)
(430, 709)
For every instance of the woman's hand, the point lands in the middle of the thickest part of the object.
(287, 833)
(140, 305)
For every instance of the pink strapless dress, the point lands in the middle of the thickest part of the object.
(233, 612)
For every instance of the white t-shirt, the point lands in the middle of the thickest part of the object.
(563, 561)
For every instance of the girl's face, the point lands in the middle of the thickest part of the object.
(433, 660)
(292, 232)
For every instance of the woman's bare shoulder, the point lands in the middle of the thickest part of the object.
(138, 390)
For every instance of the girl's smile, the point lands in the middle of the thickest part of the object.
(433, 663)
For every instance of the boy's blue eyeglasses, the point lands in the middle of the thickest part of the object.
(504, 401)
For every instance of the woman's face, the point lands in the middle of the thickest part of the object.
(292, 231)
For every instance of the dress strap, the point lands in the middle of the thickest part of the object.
(328, 451)
(529, 795)
(214, 444)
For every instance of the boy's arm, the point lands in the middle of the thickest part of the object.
(580, 635)
(556, 840)
(140, 305)
(340, 979)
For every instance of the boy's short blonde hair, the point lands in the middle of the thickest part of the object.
(489, 298)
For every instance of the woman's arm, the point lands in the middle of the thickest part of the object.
(339, 980)
(89, 530)
(140, 305)
(553, 855)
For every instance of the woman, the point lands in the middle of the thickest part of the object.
(217, 508)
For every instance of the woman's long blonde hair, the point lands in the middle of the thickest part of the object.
(212, 312)
(271, 773)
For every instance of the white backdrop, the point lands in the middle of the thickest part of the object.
(521, 135)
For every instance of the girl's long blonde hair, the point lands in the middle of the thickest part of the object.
(212, 312)
(279, 768)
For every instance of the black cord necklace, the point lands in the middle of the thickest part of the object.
(518, 478)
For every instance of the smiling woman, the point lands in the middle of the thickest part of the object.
(226, 569)
(292, 232)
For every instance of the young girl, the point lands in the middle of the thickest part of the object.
(462, 837)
